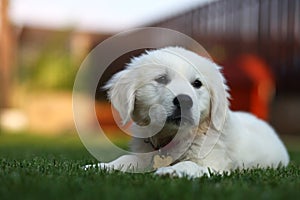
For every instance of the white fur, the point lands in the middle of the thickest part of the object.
(243, 141)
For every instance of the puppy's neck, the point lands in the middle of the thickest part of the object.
(203, 126)
(162, 138)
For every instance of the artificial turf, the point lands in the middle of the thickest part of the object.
(40, 167)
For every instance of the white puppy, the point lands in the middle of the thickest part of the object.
(182, 124)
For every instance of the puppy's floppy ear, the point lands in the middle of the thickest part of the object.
(121, 93)
(219, 99)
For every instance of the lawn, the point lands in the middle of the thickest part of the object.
(44, 167)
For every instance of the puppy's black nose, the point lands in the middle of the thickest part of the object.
(183, 101)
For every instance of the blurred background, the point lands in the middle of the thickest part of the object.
(42, 44)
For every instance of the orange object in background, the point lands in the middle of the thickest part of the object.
(252, 84)
(108, 118)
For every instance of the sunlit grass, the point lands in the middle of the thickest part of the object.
(49, 167)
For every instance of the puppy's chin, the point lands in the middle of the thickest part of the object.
(179, 118)
(171, 121)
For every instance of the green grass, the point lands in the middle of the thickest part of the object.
(36, 167)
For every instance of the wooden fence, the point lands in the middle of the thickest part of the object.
(268, 28)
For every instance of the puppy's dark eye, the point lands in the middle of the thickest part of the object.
(162, 79)
(197, 84)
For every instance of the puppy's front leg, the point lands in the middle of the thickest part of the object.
(184, 168)
(126, 163)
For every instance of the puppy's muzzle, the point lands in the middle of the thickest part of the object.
(183, 101)
(183, 104)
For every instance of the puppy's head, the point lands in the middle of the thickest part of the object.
(189, 88)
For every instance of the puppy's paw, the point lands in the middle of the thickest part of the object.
(183, 169)
(169, 171)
